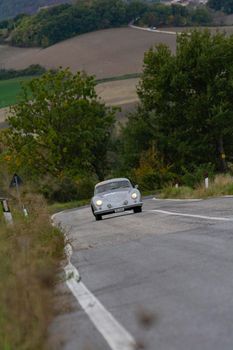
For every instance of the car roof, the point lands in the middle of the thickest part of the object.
(111, 180)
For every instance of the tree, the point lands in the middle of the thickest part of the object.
(110, 13)
(136, 9)
(201, 16)
(187, 99)
(224, 5)
(60, 126)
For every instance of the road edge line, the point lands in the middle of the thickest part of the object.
(215, 218)
(116, 336)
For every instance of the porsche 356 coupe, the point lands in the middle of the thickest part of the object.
(115, 196)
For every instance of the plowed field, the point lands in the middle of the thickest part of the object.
(105, 53)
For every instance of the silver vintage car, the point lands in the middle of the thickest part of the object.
(115, 196)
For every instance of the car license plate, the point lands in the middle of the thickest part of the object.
(119, 210)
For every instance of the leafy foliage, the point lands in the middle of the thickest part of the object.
(186, 106)
(60, 127)
(33, 70)
(152, 173)
(64, 21)
(223, 5)
(54, 24)
(66, 189)
(11, 8)
(175, 15)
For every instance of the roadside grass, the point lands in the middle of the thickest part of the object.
(56, 207)
(148, 193)
(30, 254)
(10, 90)
(173, 192)
(221, 185)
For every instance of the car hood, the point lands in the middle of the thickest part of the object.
(116, 196)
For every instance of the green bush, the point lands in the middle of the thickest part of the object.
(55, 24)
(67, 189)
(153, 179)
(86, 187)
(32, 70)
(152, 173)
(59, 190)
(149, 181)
(196, 174)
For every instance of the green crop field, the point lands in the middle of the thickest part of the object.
(10, 90)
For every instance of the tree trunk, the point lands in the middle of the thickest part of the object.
(222, 157)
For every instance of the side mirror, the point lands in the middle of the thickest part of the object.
(136, 186)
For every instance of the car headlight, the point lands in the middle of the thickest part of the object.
(99, 202)
(134, 195)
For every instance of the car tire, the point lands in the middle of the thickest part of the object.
(137, 210)
(98, 217)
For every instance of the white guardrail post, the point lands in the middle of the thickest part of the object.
(6, 211)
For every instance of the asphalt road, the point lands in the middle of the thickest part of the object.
(167, 279)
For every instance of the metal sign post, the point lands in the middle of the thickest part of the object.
(16, 182)
(17, 190)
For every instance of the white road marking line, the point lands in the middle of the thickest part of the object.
(117, 337)
(190, 215)
(113, 332)
(177, 199)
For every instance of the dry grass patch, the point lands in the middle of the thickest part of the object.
(56, 207)
(182, 192)
(221, 185)
(30, 253)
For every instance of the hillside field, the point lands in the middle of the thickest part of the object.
(109, 91)
(104, 53)
(10, 89)
(120, 93)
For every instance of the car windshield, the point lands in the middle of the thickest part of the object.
(115, 185)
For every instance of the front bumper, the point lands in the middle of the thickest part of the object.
(118, 209)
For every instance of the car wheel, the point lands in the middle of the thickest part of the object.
(137, 209)
(98, 217)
